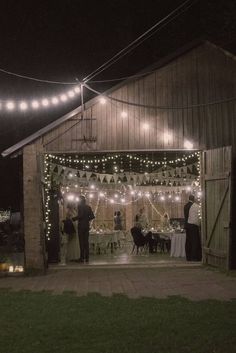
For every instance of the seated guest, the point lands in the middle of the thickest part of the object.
(140, 239)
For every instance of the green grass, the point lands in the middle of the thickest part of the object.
(42, 322)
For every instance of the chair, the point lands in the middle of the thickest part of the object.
(163, 243)
(136, 234)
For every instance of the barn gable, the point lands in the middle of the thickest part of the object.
(194, 77)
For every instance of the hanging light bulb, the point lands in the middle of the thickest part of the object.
(146, 126)
(55, 100)
(102, 100)
(71, 94)
(10, 105)
(63, 97)
(23, 106)
(45, 102)
(35, 104)
(124, 114)
(188, 145)
(77, 89)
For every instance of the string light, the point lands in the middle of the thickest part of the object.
(102, 100)
(146, 126)
(41, 103)
(188, 145)
(10, 105)
(116, 198)
(96, 161)
(124, 114)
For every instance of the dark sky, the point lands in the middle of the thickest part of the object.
(65, 40)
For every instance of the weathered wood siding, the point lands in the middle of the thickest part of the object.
(202, 75)
(216, 182)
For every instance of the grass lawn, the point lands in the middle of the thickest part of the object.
(42, 322)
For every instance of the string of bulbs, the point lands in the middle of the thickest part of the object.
(45, 102)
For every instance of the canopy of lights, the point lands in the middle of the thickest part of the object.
(120, 178)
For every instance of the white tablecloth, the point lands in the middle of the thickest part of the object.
(178, 245)
(102, 240)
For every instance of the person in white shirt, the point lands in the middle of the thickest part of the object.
(193, 247)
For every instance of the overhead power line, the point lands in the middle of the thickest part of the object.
(37, 79)
(221, 101)
(147, 34)
(138, 41)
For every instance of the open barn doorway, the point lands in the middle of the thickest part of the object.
(123, 189)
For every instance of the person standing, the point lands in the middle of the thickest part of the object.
(85, 215)
(193, 241)
(67, 232)
(117, 221)
(141, 219)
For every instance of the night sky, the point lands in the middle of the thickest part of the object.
(65, 40)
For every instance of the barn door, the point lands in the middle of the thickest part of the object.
(216, 206)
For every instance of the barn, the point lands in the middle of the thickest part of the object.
(164, 130)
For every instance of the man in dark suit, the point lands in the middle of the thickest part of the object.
(193, 241)
(85, 215)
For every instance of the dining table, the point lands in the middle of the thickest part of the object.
(177, 241)
(104, 239)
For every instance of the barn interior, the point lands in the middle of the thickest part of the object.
(120, 183)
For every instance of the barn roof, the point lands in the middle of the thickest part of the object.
(162, 62)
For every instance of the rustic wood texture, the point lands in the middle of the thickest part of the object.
(216, 226)
(202, 75)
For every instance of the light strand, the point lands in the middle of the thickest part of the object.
(114, 157)
(42, 103)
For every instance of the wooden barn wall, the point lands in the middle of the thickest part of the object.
(202, 75)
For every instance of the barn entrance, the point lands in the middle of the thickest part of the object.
(119, 187)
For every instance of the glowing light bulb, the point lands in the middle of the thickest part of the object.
(91, 196)
(77, 89)
(111, 201)
(177, 198)
(124, 114)
(162, 198)
(145, 126)
(92, 186)
(35, 104)
(167, 137)
(122, 200)
(45, 102)
(70, 197)
(71, 94)
(116, 196)
(102, 100)
(23, 106)
(188, 145)
(63, 98)
(10, 105)
(55, 100)
(101, 194)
